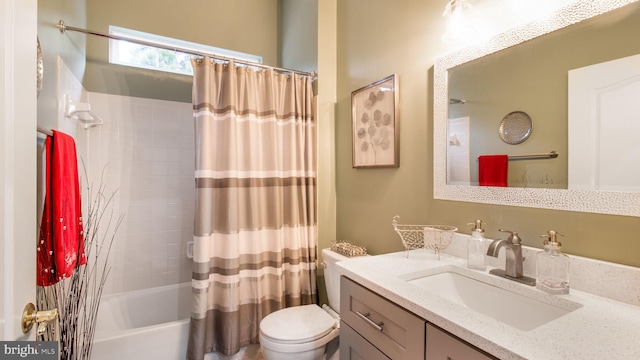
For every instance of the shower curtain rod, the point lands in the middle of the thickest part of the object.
(64, 28)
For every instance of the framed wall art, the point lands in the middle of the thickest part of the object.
(374, 123)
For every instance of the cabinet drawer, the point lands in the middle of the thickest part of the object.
(355, 347)
(398, 333)
(443, 346)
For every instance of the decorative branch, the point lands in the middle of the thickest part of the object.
(78, 297)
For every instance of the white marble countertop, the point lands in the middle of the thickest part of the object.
(600, 328)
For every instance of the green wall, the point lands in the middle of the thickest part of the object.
(299, 34)
(378, 38)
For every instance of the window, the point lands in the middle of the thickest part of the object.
(155, 58)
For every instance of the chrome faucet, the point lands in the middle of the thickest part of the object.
(513, 252)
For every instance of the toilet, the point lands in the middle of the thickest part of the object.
(306, 332)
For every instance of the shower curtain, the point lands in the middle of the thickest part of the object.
(255, 227)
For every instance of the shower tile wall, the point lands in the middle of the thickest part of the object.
(146, 151)
(458, 166)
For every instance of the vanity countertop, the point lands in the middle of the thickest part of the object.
(600, 328)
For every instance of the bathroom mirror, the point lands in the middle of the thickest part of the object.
(560, 198)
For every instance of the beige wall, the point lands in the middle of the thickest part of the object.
(379, 38)
(374, 39)
(247, 26)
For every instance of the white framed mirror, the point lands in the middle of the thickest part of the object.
(568, 198)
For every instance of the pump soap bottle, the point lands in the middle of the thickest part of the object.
(552, 266)
(476, 247)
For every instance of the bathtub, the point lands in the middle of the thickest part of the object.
(151, 324)
(145, 324)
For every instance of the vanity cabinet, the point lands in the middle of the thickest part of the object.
(373, 328)
(355, 347)
(442, 346)
(379, 325)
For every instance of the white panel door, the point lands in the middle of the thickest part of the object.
(18, 29)
(604, 126)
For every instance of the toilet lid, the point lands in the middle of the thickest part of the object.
(298, 324)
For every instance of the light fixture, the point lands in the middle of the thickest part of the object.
(468, 24)
(459, 23)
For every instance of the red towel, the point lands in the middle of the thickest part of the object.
(61, 242)
(492, 170)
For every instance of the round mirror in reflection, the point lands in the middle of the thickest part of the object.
(515, 128)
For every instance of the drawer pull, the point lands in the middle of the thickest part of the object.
(365, 317)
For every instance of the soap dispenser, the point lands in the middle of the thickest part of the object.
(552, 266)
(476, 247)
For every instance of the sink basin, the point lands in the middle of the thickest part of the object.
(514, 309)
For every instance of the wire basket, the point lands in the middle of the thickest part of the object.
(432, 237)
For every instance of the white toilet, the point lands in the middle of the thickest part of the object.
(306, 332)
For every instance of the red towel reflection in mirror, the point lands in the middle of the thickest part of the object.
(493, 170)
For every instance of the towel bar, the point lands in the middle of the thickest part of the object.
(550, 155)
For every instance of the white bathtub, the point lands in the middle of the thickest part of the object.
(145, 324)
(151, 324)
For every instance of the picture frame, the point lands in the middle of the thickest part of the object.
(374, 124)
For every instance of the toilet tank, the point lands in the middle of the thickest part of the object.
(332, 277)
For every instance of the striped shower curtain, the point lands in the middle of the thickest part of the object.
(255, 228)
